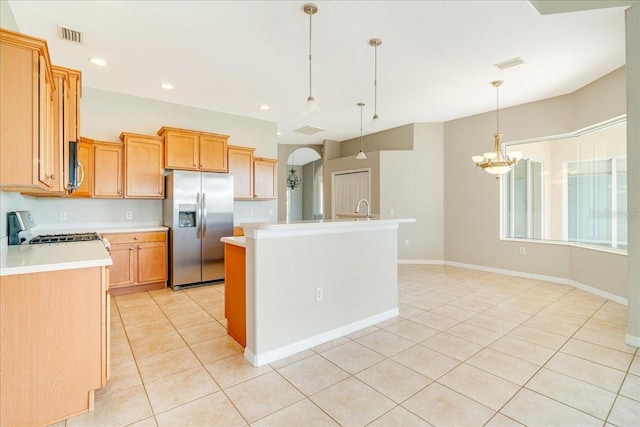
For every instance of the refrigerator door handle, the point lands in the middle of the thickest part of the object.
(198, 216)
(204, 215)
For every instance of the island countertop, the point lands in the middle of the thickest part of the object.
(23, 259)
(253, 229)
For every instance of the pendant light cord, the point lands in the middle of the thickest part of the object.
(375, 84)
(361, 146)
(310, 91)
(497, 110)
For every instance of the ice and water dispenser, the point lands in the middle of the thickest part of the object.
(186, 215)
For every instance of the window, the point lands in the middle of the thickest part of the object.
(572, 189)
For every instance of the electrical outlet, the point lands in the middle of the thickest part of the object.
(391, 212)
(522, 250)
(270, 212)
(129, 214)
(251, 212)
(406, 242)
(319, 294)
(63, 215)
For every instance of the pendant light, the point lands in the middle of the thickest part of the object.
(293, 179)
(375, 121)
(497, 162)
(361, 155)
(310, 106)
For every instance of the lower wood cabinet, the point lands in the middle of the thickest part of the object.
(139, 261)
(235, 292)
(54, 344)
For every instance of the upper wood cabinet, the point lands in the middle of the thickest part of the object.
(143, 166)
(107, 170)
(28, 154)
(192, 150)
(66, 120)
(240, 162)
(264, 182)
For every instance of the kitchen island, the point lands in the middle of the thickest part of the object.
(54, 330)
(314, 281)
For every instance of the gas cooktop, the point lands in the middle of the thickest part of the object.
(65, 238)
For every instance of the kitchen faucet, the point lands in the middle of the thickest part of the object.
(368, 207)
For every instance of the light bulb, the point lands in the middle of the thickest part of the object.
(375, 122)
(310, 106)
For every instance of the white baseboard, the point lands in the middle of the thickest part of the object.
(559, 280)
(307, 343)
(421, 261)
(633, 340)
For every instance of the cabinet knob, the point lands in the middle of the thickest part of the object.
(194, 164)
(135, 238)
(52, 176)
(131, 249)
(119, 191)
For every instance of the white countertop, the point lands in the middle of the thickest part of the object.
(235, 240)
(22, 259)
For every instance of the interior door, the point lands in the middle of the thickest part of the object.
(348, 188)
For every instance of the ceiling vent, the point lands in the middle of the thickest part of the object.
(509, 63)
(69, 34)
(308, 130)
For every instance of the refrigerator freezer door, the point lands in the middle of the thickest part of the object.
(217, 222)
(185, 235)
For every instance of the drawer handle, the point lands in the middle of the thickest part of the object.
(135, 238)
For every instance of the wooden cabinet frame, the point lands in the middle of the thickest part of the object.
(193, 150)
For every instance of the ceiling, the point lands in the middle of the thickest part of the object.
(435, 63)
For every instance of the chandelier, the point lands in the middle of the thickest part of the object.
(310, 106)
(375, 121)
(497, 162)
(361, 155)
(293, 179)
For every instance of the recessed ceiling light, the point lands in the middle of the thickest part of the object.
(167, 86)
(264, 107)
(98, 61)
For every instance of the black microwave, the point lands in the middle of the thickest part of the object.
(76, 170)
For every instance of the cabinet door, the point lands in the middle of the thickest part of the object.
(122, 271)
(152, 262)
(181, 150)
(144, 172)
(241, 167)
(59, 127)
(45, 138)
(85, 169)
(107, 170)
(264, 178)
(21, 60)
(73, 104)
(213, 153)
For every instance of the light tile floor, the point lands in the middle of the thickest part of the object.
(469, 348)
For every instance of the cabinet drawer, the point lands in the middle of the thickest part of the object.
(154, 236)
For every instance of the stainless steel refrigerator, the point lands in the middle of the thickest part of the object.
(198, 208)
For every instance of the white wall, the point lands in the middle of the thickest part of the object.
(472, 204)
(632, 19)
(407, 176)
